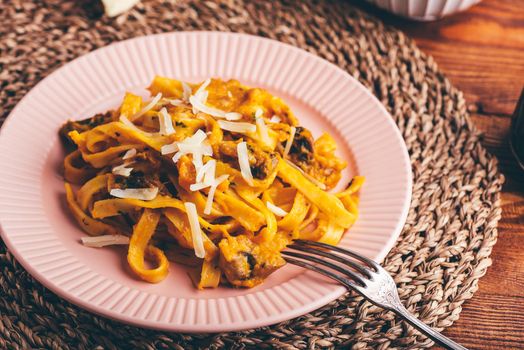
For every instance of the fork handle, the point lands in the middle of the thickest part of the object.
(427, 330)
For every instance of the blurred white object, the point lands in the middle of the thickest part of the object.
(424, 10)
(115, 7)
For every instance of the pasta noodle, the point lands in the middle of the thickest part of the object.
(218, 175)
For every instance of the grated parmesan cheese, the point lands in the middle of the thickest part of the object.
(203, 96)
(307, 176)
(198, 186)
(188, 148)
(122, 170)
(200, 97)
(187, 91)
(205, 176)
(129, 154)
(239, 127)
(105, 240)
(207, 172)
(209, 176)
(175, 102)
(196, 232)
(201, 93)
(201, 106)
(196, 150)
(275, 209)
(275, 119)
(165, 122)
(196, 139)
(194, 145)
(148, 107)
(289, 142)
(145, 194)
(233, 116)
(243, 161)
(198, 102)
(167, 149)
(211, 194)
(130, 125)
(206, 150)
(262, 131)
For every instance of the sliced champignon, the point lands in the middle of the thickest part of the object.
(302, 149)
(84, 125)
(137, 179)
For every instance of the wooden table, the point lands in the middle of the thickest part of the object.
(482, 52)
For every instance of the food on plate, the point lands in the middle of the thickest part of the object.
(215, 175)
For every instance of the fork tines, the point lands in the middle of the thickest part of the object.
(361, 274)
(311, 254)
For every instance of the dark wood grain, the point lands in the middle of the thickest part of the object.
(482, 52)
(498, 326)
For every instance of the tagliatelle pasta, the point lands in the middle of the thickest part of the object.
(219, 169)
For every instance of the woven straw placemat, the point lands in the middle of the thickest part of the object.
(445, 245)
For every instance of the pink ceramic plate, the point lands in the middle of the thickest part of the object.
(39, 231)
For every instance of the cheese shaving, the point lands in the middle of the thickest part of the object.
(145, 194)
(211, 194)
(200, 106)
(175, 102)
(201, 93)
(275, 119)
(307, 176)
(167, 149)
(148, 107)
(105, 240)
(289, 142)
(197, 138)
(122, 170)
(199, 186)
(233, 116)
(194, 145)
(243, 162)
(239, 127)
(187, 91)
(205, 150)
(209, 176)
(198, 102)
(196, 150)
(262, 130)
(275, 209)
(130, 125)
(196, 232)
(259, 112)
(203, 96)
(205, 176)
(165, 122)
(207, 172)
(129, 154)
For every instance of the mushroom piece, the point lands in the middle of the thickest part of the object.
(247, 264)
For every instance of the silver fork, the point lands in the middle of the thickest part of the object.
(361, 274)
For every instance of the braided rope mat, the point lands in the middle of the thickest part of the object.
(443, 250)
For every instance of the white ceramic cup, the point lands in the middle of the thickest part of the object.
(424, 10)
